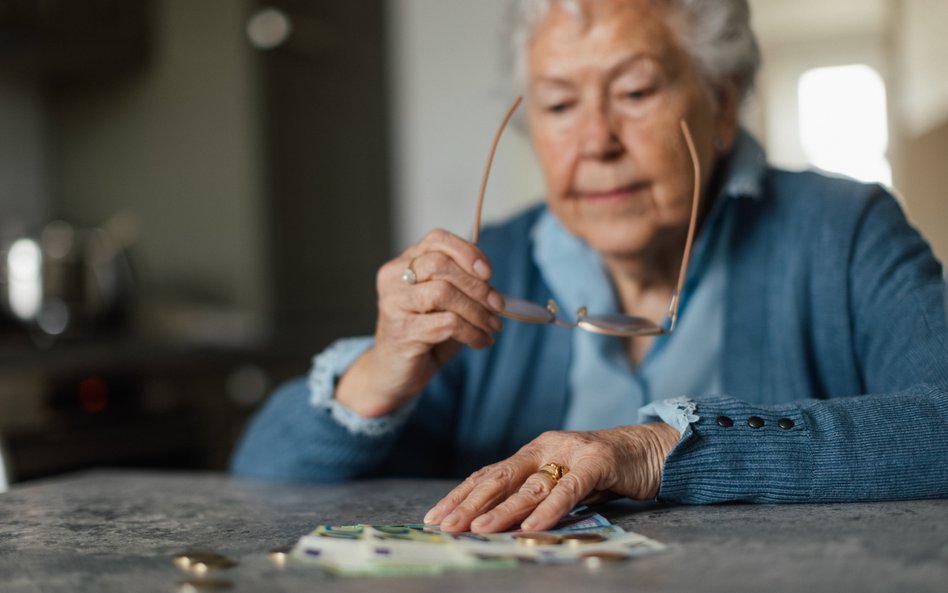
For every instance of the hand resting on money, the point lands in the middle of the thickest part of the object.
(624, 461)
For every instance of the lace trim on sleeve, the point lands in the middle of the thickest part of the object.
(331, 364)
(677, 412)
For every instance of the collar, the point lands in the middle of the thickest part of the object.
(744, 168)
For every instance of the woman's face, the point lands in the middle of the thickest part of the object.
(606, 94)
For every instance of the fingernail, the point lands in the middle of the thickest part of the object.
(529, 524)
(482, 521)
(451, 519)
(482, 269)
(430, 517)
(496, 323)
(495, 300)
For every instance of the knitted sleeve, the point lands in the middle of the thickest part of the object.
(886, 443)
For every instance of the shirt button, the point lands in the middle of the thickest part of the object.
(725, 422)
(785, 423)
(755, 422)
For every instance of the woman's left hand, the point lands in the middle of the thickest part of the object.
(624, 461)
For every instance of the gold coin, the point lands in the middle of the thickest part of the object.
(184, 560)
(538, 539)
(194, 585)
(596, 558)
(200, 562)
(279, 555)
(202, 568)
(578, 539)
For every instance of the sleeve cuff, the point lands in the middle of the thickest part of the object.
(677, 412)
(328, 367)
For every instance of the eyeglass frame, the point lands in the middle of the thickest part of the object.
(583, 320)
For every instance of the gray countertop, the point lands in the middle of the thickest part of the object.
(118, 530)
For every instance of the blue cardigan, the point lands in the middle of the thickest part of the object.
(835, 336)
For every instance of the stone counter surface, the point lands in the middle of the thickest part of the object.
(118, 531)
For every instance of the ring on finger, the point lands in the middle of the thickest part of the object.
(409, 276)
(554, 470)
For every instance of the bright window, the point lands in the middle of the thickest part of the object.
(843, 122)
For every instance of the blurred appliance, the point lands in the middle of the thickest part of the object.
(68, 281)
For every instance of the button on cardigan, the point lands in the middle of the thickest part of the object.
(834, 321)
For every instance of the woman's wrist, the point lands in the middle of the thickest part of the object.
(662, 439)
(366, 390)
(650, 443)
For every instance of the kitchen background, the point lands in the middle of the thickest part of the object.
(194, 196)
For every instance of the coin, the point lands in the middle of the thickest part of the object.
(205, 566)
(279, 555)
(538, 539)
(578, 539)
(194, 585)
(200, 562)
(595, 559)
(185, 559)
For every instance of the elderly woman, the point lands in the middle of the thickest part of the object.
(809, 361)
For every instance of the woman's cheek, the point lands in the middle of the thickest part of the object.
(557, 164)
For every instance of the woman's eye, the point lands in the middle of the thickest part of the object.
(638, 94)
(558, 107)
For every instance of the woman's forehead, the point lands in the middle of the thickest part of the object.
(606, 35)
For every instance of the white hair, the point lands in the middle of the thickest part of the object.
(715, 33)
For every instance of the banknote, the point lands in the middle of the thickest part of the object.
(385, 550)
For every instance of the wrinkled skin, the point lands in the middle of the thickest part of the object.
(606, 95)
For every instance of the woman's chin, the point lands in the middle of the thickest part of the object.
(617, 242)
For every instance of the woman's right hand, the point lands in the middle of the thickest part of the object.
(422, 325)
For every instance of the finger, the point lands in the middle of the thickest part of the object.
(598, 497)
(442, 296)
(465, 253)
(488, 490)
(436, 328)
(451, 500)
(516, 508)
(481, 499)
(439, 266)
(415, 334)
(570, 489)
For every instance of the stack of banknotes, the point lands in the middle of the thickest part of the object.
(385, 550)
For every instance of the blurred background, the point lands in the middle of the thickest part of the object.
(195, 196)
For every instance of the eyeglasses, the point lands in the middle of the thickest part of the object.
(612, 324)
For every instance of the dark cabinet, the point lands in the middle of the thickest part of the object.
(65, 41)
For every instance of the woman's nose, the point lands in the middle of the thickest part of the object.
(597, 135)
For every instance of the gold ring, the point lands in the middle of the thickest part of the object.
(555, 471)
(408, 276)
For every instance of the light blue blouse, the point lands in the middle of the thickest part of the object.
(606, 390)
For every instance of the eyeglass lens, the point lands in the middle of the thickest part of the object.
(609, 323)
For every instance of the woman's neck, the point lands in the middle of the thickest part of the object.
(653, 275)
(640, 280)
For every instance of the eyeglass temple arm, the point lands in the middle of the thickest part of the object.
(696, 193)
(676, 296)
(490, 160)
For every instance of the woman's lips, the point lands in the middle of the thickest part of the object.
(612, 195)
